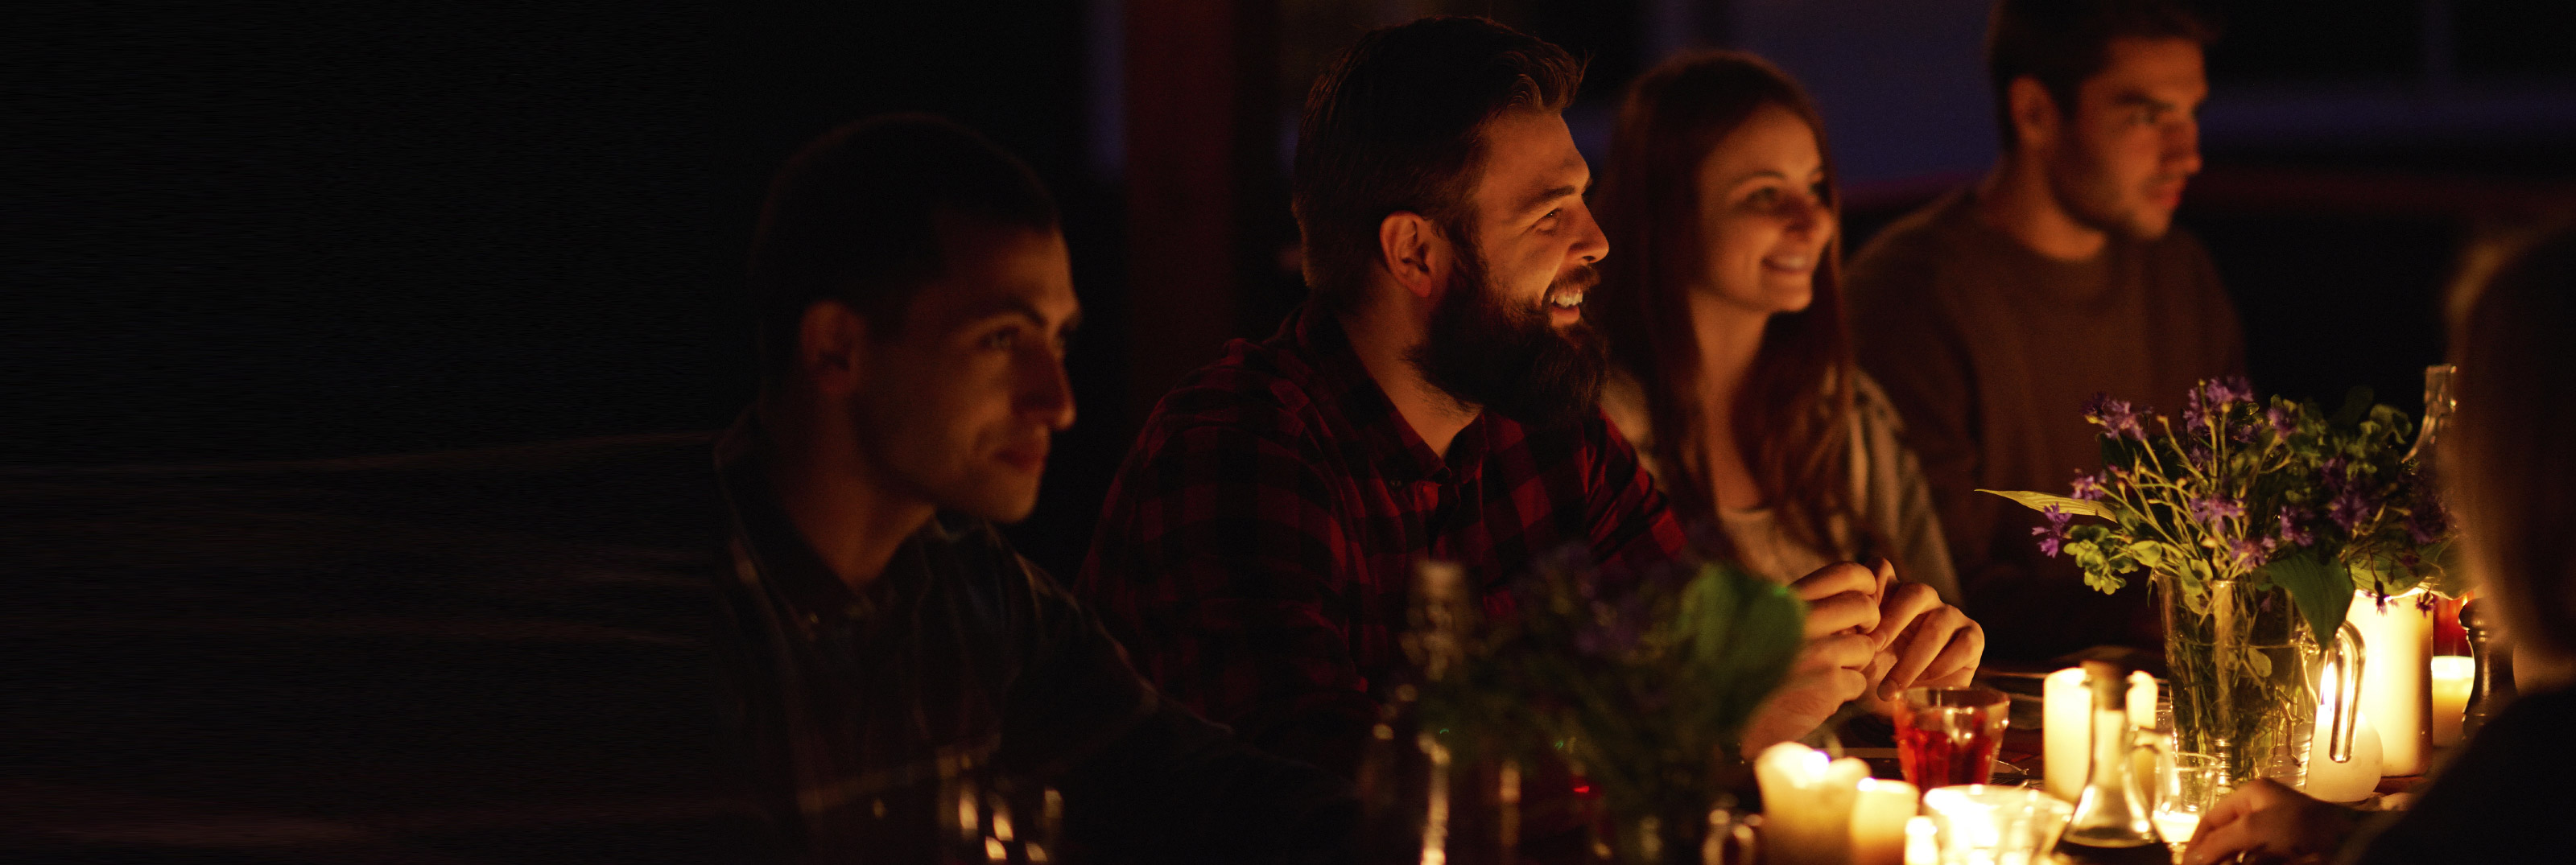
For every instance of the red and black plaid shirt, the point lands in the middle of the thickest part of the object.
(1255, 552)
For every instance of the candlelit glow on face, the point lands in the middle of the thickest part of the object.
(957, 409)
(2132, 138)
(1764, 217)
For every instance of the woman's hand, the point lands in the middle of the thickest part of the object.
(2267, 818)
(1926, 643)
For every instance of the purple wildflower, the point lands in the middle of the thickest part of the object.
(2049, 541)
(2052, 537)
(2348, 510)
(2208, 403)
(2248, 553)
(2293, 530)
(2116, 417)
(2281, 419)
(2211, 509)
(2088, 487)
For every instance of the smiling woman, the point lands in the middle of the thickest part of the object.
(1724, 312)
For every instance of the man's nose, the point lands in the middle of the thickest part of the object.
(1591, 245)
(2182, 148)
(1047, 393)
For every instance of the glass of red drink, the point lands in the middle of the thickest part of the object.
(1947, 736)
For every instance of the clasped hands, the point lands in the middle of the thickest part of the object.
(1869, 637)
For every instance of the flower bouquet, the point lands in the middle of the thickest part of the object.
(2256, 521)
(1642, 689)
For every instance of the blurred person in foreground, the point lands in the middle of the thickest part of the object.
(1991, 315)
(1434, 399)
(914, 300)
(2508, 466)
(1733, 373)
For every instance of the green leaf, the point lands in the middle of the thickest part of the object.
(2153, 554)
(2069, 504)
(2442, 571)
(2322, 590)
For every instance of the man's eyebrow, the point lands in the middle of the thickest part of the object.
(1021, 307)
(1534, 201)
(2137, 98)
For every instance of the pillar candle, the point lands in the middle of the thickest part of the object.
(2066, 728)
(1807, 804)
(2397, 643)
(1879, 811)
(2452, 676)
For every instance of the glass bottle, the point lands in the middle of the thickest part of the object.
(1425, 798)
(2112, 811)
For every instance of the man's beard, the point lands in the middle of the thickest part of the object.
(2077, 181)
(1511, 361)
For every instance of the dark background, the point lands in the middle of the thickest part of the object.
(281, 233)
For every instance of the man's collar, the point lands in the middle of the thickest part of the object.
(779, 555)
(1386, 439)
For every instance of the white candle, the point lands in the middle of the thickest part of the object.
(1807, 804)
(2452, 676)
(2395, 676)
(2066, 728)
(1880, 810)
(1922, 842)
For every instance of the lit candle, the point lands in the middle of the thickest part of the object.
(1879, 812)
(1807, 804)
(2452, 676)
(2066, 728)
(2350, 781)
(2397, 642)
(1922, 842)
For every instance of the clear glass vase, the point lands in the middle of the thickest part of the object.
(2244, 668)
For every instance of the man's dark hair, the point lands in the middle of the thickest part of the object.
(2061, 43)
(1396, 123)
(854, 217)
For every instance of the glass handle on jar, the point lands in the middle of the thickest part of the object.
(2345, 712)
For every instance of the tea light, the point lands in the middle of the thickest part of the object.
(1880, 810)
(2397, 641)
(1922, 842)
(2066, 728)
(2452, 676)
(1807, 802)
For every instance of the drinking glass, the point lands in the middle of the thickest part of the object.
(2186, 786)
(1949, 736)
(1982, 825)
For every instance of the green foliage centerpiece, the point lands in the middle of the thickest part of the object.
(1643, 689)
(2257, 521)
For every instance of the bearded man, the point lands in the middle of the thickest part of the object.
(1434, 399)
(1991, 315)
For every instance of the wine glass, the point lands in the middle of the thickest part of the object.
(2186, 786)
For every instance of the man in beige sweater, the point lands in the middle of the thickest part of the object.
(1992, 314)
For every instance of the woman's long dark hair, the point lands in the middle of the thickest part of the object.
(1791, 416)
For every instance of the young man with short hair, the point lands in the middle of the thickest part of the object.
(891, 652)
(1991, 315)
(1435, 399)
